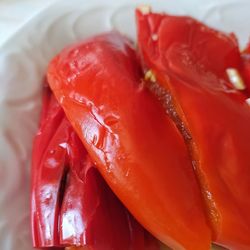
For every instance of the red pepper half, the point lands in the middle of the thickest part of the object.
(137, 148)
(71, 204)
(189, 60)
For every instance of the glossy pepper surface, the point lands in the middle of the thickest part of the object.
(71, 203)
(136, 147)
(190, 61)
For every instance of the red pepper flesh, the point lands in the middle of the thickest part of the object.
(136, 147)
(71, 204)
(190, 60)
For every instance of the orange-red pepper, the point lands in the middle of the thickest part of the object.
(190, 61)
(136, 147)
(71, 203)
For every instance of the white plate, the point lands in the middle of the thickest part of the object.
(23, 61)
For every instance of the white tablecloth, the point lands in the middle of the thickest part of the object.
(13, 13)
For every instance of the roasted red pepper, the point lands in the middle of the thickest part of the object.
(71, 203)
(136, 147)
(189, 60)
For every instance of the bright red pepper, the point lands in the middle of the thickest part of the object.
(189, 60)
(71, 203)
(137, 148)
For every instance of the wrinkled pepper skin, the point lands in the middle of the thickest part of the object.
(136, 147)
(189, 60)
(70, 202)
